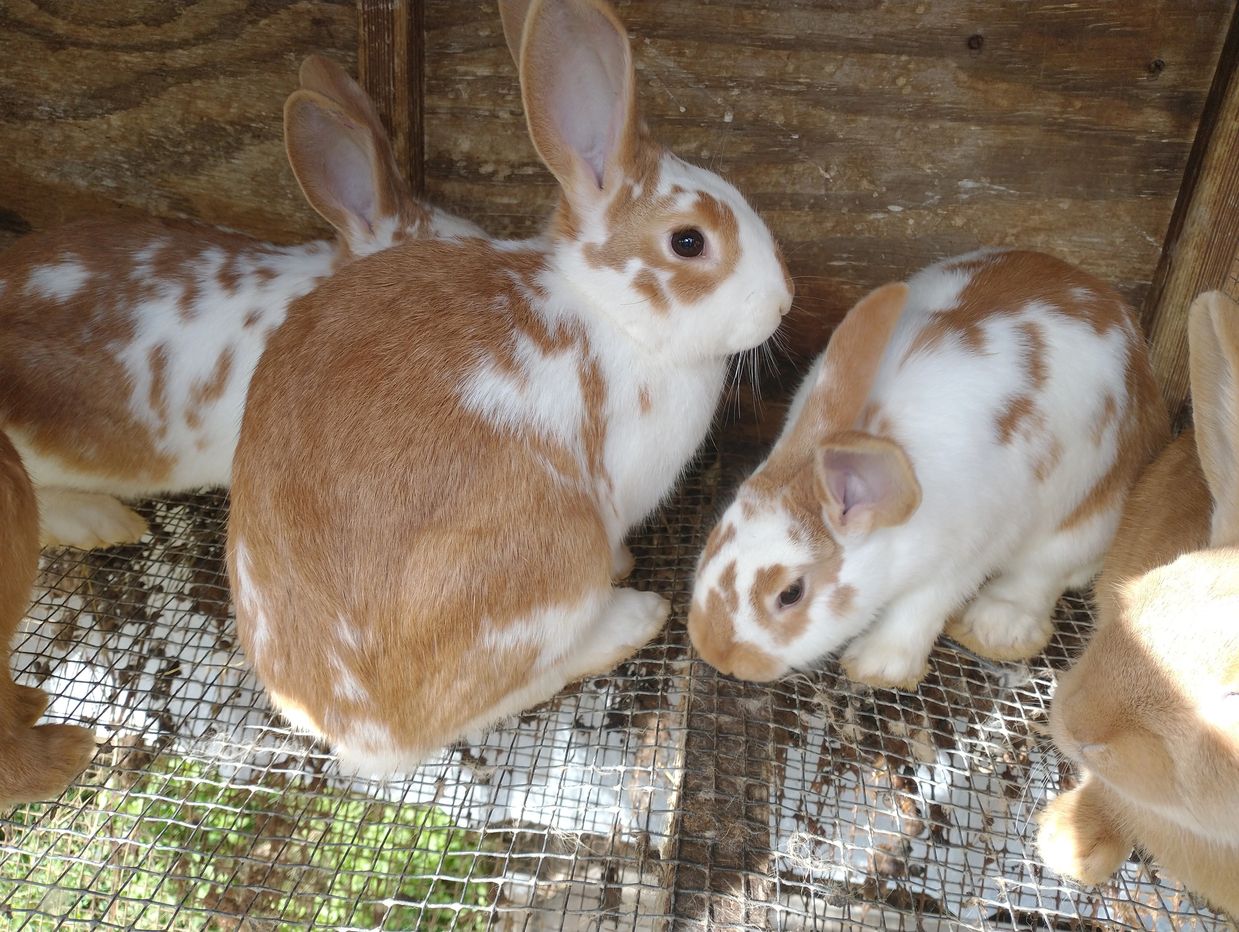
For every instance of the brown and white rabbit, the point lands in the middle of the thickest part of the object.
(965, 442)
(128, 346)
(1150, 712)
(444, 446)
(35, 762)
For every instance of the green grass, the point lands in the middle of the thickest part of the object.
(173, 846)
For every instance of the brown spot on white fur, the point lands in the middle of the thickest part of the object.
(1005, 288)
(713, 634)
(720, 537)
(633, 236)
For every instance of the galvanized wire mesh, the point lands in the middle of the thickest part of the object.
(658, 796)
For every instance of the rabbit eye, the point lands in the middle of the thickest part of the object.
(792, 594)
(688, 244)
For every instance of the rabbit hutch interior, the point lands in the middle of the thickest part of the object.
(873, 137)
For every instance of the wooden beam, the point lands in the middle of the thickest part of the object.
(1203, 236)
(390, 57)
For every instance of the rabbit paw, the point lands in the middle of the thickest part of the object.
(1077, 840)
(630, 622)
(638, 616)
(1000, 630)
(40, 763)
(884, 666)
(68, 518)
(28, 704)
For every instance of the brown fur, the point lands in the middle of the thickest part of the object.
(1142, 711)
(35, 762)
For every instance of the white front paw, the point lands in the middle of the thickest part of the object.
(86, 520)
(884, 665)
(647, 613)
(1001, 630)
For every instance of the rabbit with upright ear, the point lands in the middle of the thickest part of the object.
(35, 762)
(128, 346)
(960, 451)
(1150, 712)
(445, 445)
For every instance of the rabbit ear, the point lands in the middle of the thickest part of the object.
(513, 14)
(579, 92)
(1213, 342)
(344, 173)
(854, 354)
(864, 482)
(327, 77)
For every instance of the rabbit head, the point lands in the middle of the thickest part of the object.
(672, 251)
(767, 596)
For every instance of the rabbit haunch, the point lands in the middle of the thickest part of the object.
(968, 452)
(445, 444)
(193, 299)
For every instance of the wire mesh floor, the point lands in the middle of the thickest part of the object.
(660, 796)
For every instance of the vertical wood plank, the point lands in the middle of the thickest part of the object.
(390, 64)
(1203, 236)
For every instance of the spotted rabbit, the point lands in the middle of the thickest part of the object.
(964, 445)
(445, 445)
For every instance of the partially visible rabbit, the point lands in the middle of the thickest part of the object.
(35, 762)
(965, 443)
(128, 346)
(445, 444)
(1150, 712)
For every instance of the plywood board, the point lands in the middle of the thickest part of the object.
(167, 108)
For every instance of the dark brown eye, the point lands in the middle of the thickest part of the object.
(688, 244)
(792, 594)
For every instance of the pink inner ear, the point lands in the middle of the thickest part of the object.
(586, 63)
(861, 481)
(343, 180)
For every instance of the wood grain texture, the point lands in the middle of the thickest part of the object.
(874, 136)
(389, 62)
(155, 106)
(1202, 243)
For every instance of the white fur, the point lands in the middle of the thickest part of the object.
(58, 281)
(983, 512)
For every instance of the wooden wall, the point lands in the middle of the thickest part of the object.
(876, 135)
(170, 107)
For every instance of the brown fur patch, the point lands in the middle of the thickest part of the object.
(1004, 284)
(720, 537)
(639, 226)
(842, 599)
